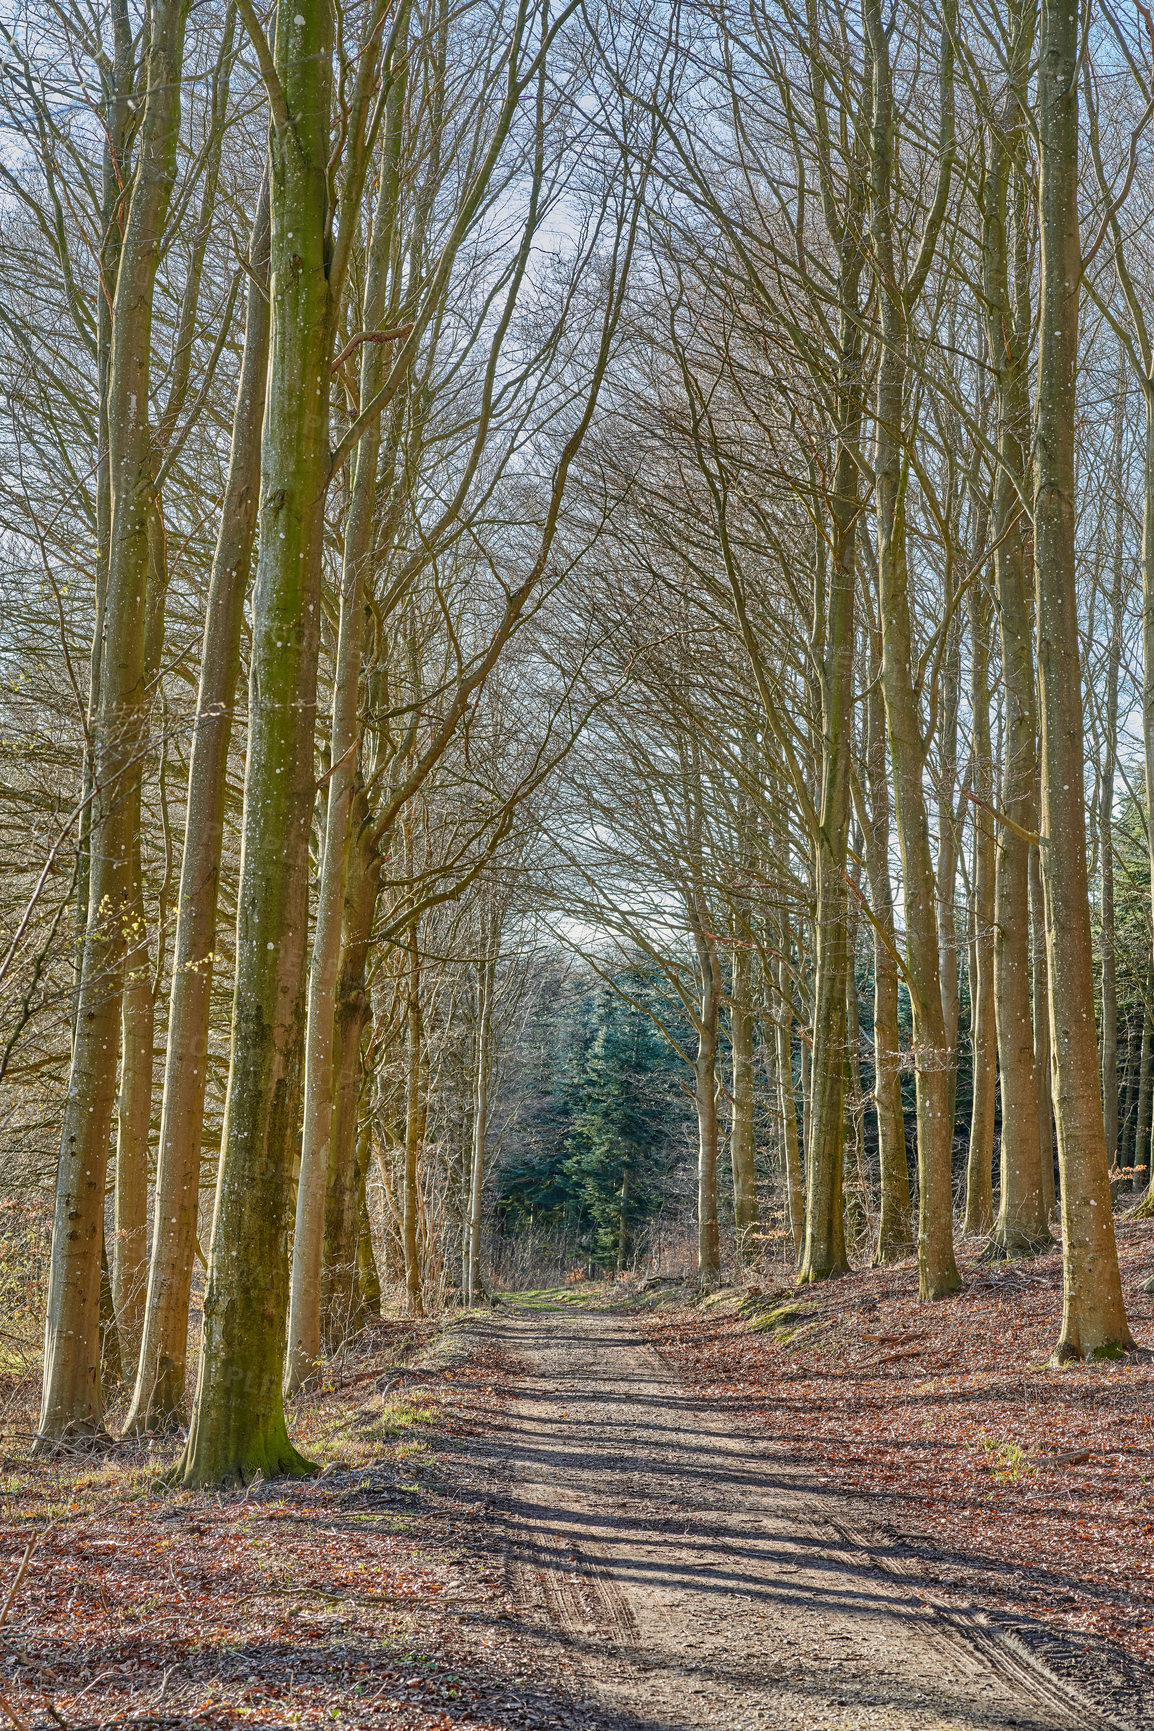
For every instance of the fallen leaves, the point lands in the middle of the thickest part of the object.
(1029, 1489)
(294, 1604)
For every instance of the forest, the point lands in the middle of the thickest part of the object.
(576, 699)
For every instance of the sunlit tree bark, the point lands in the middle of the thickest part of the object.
(158, 1398)
(898, 294)
(71, 1398)
(1094, 1317)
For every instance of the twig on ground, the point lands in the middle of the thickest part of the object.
(20, 1724)
(29, 1551)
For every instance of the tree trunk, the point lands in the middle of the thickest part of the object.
(486, 982)
(137, 1021)
(368, 1279)
(983, 1032)
(1109, 1023)
(1141, 1161)
(791, 1153)
(1041, 1011)
(305, 1302)
(947, 861)
(133, 1117)
(71, 1398)
(1021, 1225)
(937, 1269)
(1128, 1096)
(414, 1045)
(833, 651)
(115, 179)
(1094, 1318)
(158, 1399)
(858, 1189)
(741, 1143)
(1145, 1208)
(111, 1369)
(824, 1252)
(705, 1095)
(895, 1226)
(343, 1279)
(238, 1423)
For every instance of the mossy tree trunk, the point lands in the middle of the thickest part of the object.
(238, 1422)
(158, 1399)
(345, 1277)
(360, 554)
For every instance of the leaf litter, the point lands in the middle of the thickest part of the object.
(1015, 1485)
(363, 1597)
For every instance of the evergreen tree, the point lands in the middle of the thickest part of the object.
(598, 1154)
(614, 1148)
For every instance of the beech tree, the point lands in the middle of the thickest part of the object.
(486, 484)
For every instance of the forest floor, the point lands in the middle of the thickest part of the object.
(577, 1510)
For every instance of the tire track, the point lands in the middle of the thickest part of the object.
(667, 1571)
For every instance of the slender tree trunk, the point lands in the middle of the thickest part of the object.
(1141, 1161)
(1128, 1099)
(805, 1054)
(158, 1399)
(137, 1020)
(705, 1095)
(1109, 1024)
(133, 1117)
(937, 1269)
(833, 643)
(1094, 1317)
(238, 1424)
(110, 1365)
(305, 1301)
(983, 1032)
(791, 1152)
(114, 193)
(1022, 1223)
(71, 1398)
(741, 1143)
(622, 1222)
(895, 1227)
(342, 1280)
(368, 1279)
(824, 1253)
(1041, 1012)
(855, 1097)
(1145, 1208)
(414, 1051)
(947, 860)
(486, 982)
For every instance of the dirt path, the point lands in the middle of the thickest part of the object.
(668, 1571)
